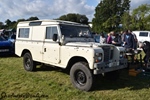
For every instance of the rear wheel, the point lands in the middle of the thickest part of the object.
(28, 62)
(81, 76)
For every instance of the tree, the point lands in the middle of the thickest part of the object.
(141, 17)
(19, 20)
(82, 19)
(13, 24)
(8, 22)
(63, 17)
(108, 14)
(147, 19)
(126, 21)
(74, 18)
(32, 18)
(1, 25)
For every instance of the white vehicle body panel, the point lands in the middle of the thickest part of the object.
(142, 35)
(60, 52)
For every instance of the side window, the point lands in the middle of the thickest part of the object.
(24, 33)
(145, 34)
(50, 31)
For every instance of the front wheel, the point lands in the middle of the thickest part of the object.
(81, 76)
(28, 62)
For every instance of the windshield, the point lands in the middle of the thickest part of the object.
(2, 38)
(75, 31)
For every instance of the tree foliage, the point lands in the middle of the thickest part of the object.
(13, 24)
(32, 18)
(74, 18)
(126, 21)
(108, 14)
(1, 25)
(141, 17)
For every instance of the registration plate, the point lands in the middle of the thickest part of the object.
(113, 64)
(4, 50)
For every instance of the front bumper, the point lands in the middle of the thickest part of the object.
(4, 51)
(103, 67)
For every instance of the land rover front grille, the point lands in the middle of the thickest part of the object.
(108, 53)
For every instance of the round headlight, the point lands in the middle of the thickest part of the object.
(99, 58)
(121, 55)
(97, 54)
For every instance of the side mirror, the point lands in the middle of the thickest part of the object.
(55, 37)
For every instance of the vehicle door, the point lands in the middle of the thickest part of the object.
(51, 48)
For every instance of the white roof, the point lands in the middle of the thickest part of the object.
(48, 22)
(140, 31)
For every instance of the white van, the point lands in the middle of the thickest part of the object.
(70, 46)
(142, 35)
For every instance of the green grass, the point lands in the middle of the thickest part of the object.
(54, 84)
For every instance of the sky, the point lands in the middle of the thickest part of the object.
(51, 9)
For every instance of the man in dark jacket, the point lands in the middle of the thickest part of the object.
(129, 42)
(117, 40)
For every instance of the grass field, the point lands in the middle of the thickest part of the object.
(54, 84)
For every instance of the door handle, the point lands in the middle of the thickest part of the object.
(44, 49)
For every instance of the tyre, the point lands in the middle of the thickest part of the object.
(29, 64)
(81, 76)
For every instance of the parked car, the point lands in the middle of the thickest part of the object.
(6, 46)
(7, 41)
(142, 35)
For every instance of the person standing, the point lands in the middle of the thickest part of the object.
(122, 33)
(135, 41)
(117, 40)
(129, 44)
(109, 39)
(102, 38)
(146, 48)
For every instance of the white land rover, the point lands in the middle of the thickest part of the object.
(67, 45)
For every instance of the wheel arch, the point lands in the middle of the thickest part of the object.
(74, 60)
(25, 51)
